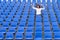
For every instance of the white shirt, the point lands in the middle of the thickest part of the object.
(38, 10)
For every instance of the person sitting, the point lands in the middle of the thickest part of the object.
(38, 8)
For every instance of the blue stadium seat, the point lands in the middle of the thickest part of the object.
(57, 35)
(19, 36)
(22, 24)
(21, 29)
(48, 35)
(29, 29)
(1, 19)
(9, 36)
(46, 23)
(1, 36)
(28, 36)
(5, 24)
(30, 24)
(38, 35)
(18, 20)
(38, 29)
(2, 30)
(12, 30)
(15, 19)
(38, 39)
(47, 29)
(13, 23)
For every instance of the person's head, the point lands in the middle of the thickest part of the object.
(38, 6)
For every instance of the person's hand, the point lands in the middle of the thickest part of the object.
(31, 4)
(41, 4)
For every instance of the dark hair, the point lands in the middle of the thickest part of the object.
(40, 6)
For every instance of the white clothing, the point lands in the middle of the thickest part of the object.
(38, 10)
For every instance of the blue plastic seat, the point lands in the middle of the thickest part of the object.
(21, 29)
(56, 29)
(30, 23)
(47, 29)
(12, 30)
(54, 23)
(46, 23)
(28, 36)
(9, 35)
(5, 24)
(2, 16)
(13, 23)
(1, 36)
(2, 30)
(38, 35)
(57, 35)
(47, 35)
(29, 29)
(38, 39)
(1, 19)
(38, 29)
(15, 20)
(22, 24)
(39, 23)
(31, 19)
(19, 35)
(10, 16)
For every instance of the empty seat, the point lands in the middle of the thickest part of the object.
(5, 24)
(1, 19)
(20, 29)
(29, 29)
(30, 24)
(48, 35)
(3, 30)
(12, 30)
(38, 29)
(19, 36)
(9, 36)
(8, 19)
(38, 35)
(38, 23)
(1, 36)
(28, 36)
(13, 23)
(47, 29)
(54, 23)
(15, 20)
(57, 35)
(22, 24)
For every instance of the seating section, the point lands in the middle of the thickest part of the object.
(58, 3)
(18, 21)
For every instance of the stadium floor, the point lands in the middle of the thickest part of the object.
(18, 21)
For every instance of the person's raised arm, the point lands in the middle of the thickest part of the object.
(43, 8)
(33, 6)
